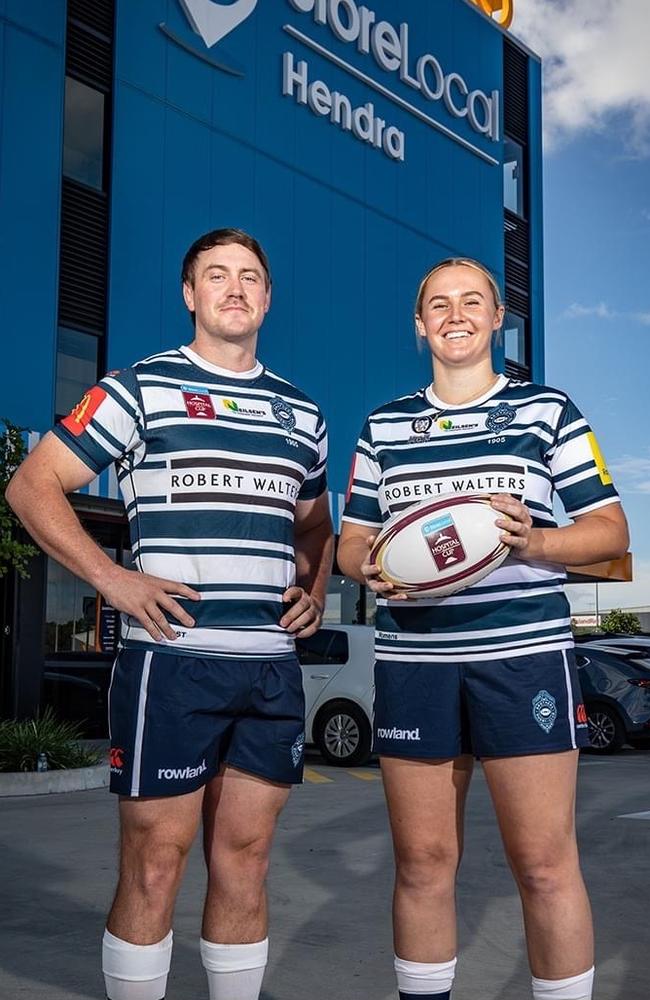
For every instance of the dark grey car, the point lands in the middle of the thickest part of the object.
(615, 685)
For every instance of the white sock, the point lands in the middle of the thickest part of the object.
(575, 988)
(235, 971)
(425, 977)
(135, 971)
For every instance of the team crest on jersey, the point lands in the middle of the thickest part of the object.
(500, 417)
(283, 413)
(297, 750)
(544, 710)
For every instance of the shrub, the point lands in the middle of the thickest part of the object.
(21, 741)
(621, 621)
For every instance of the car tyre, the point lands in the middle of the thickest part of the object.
(606, 731)
(343, 734)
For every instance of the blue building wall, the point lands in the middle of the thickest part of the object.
(348, 231)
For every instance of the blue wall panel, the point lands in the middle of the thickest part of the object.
(30, 139)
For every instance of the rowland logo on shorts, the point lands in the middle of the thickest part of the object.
(181, 773)
(399, 734)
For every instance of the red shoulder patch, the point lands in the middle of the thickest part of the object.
(77, 421)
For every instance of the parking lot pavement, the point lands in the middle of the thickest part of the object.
(329, 890)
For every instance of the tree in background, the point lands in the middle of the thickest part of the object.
(620, 621)
(14, 553)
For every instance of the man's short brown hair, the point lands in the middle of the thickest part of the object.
(220, 238)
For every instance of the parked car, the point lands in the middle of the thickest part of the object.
(615, 684)
(337, 670)
(635, 643)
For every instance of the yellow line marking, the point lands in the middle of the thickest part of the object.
(365, 775)
(315, 777)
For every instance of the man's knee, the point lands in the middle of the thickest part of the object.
(542, 873)
(152, 865)
(426, 867)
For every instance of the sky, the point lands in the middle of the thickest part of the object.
(597, 239)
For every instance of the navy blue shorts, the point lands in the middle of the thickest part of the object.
(491, 708)
(174, 720)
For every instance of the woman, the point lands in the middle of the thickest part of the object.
(488, 672)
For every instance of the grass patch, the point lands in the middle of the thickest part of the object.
(21, 741)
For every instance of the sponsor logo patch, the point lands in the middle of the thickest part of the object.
(601, 464)
(399, 734)
(283, 413)
(198, 402)
(233, 407)
(544, 710)
(297, 750)
(444, 542)
(181, 773)
(116, 759)
(79, 418)
(500, 417)
(581, 716)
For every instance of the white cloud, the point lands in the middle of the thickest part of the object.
(595, 56)
(602, 311)
(632, 473)
(577, 311)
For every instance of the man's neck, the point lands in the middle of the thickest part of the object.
(457, 386)
(234, 357)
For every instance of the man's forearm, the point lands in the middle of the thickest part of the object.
(314, 557)
(47, 514)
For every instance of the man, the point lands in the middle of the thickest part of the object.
(222, 469)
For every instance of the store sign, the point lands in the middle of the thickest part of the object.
(391, 49)
(388, 48)
(213, 21)
(505, 10)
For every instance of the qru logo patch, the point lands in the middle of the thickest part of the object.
(213, 21)
(297, 750)
(544, 710)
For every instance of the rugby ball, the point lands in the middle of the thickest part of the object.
(438, 547)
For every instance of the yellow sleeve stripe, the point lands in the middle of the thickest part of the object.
(601, 465)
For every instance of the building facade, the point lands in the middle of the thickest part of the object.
(358, 142)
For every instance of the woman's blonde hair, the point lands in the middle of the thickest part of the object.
(456, 262)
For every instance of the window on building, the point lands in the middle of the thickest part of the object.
(83, 134)
(516, 339)
(74, 618)
(513, 176)
(76, 367)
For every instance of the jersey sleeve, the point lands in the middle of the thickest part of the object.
(315, 481)
(579, 472)
(362, 500)
(107, 423)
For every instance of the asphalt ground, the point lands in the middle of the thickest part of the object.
(329, 890)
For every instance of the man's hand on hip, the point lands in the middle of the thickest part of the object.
(149, 599)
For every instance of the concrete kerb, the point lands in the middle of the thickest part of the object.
(75, 779)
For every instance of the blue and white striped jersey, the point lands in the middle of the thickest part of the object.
(523, 439)
(210, 465)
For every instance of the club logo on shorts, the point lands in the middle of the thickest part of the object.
(443, 539)
(544, 710)
(500, 417)
(421, 425)
(283, 413)
(116, 759)
(298, 749)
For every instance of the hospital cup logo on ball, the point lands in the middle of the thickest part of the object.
(438, 547)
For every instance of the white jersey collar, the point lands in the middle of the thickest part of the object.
(200, 362)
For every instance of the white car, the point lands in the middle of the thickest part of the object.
(337, 672)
